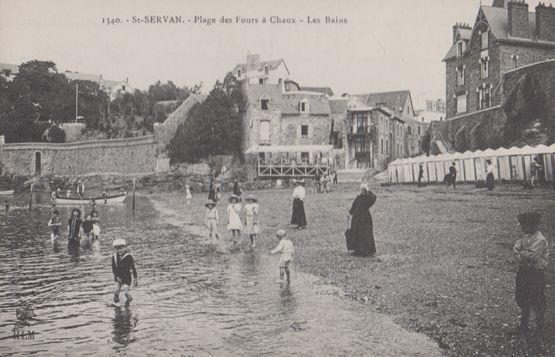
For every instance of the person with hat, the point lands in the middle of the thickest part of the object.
(55, 223)
(287, 250)
(233, 218)
(211, 219)
(123, 266)
(490, 179)
(298, 217)
(361, 237)
(73, 230)
(252, 227)
(532, 253)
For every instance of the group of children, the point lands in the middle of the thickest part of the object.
(89, 228)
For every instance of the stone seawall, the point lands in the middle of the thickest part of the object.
(121, 156)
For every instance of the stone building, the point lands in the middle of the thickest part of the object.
(435, 110)
(111, 87)
(285, 124)
(8, 71)
(504, 36)
(381, 127)
(255, 71)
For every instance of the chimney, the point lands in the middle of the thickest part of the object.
(499, 3)
(459, 25)
(253, 62)
(518, 19)
(545, 22)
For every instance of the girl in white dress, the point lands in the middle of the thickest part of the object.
(233, 218)
(252, 227)
(188, 196)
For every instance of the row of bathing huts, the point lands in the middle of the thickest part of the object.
(510, 165)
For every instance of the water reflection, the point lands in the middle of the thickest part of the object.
(123, 324)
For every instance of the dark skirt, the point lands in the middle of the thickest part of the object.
(490, 184)
(298, 218)
(530, 288)
(362, 234)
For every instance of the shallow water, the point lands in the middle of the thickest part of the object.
(191, 299)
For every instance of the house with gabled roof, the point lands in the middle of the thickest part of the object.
(255, 71)
(111, 87)
(504, 36)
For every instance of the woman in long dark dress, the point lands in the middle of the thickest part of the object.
(362, 232)
(298, 218)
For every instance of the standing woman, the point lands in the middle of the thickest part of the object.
(299, 218)
(233, 218)
(489, 175)
(251, 218)
(362, 231)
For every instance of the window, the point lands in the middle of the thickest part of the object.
(461, 103)
(304, 157)
(460, 75)
(484, 67)
(409, 129)
(484, 96)
(485, 42)
(239, 72)
(419, 130)
(122, 87)
(264, 131)
(381, 146)
(264, 104)
(361, 119)
(304, 131)
(260, 80)
(515, 60)
(386, 147)
(460, 48)
(304, 106)
(266, 69)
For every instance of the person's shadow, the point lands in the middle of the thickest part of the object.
(123, 324)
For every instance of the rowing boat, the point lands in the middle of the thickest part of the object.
(104, 199)
(6, 193)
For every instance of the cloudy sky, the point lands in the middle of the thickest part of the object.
(385, 44)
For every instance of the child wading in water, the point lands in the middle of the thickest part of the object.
(87, 227)
(73, 229)
(233, 219)
(188, 196)
(212, 219)
(123, 266)
(285, 247)
(55, 223)
(96, 225)
(251, 218)
(532, 253)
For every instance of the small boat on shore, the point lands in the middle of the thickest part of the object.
(6, 193)
(103, 199)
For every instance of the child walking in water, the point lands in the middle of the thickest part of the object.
(233, 219)
(188, 196)
(212, 219)
(74, 228)
(285, 247)
(251, 218)
(123, 266)
(55, 223)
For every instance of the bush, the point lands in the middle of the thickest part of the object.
(56, 135)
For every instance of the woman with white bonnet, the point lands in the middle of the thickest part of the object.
(362, 232)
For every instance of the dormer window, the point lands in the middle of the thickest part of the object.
(515, 60)
(484, 66)
(460, 48)
(460, 75)
(304, 106)
(266, 69)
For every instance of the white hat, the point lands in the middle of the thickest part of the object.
(119, 242)
(364, 186)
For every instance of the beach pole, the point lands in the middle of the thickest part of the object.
(134, 188)
(31, 196)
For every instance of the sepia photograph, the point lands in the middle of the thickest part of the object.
(277, 178)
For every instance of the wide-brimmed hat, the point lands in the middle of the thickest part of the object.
(119, 243)
(281, 233)
(233, 197)
(209, 203)
(529, 219)
(251, 197)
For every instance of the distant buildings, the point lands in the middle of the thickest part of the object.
(111, 87)
(8, 71)
(504, 36)
(255, 71)
(381, 127)
(435, 110)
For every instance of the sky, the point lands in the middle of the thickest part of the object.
(384, 44)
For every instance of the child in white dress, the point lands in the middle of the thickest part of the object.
(234, 219)
(188, 196)
(252, 227)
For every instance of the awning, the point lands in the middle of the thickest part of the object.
(289, 148)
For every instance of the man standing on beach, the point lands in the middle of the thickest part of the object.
(420, 175)
(452, 176)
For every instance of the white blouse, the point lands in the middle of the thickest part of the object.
(299, 192)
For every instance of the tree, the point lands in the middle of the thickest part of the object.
(214, 127)
(56, 134)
